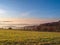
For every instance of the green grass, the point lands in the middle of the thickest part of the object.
(17, 35)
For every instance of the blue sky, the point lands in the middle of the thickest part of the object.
(30, 9)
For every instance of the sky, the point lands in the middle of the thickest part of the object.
(29, 11)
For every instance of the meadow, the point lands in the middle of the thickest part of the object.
(18, 37)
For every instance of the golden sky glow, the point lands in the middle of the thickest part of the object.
(25, 20)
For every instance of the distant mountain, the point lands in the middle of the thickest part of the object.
(50, 27)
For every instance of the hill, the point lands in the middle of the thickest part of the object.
(53, 27)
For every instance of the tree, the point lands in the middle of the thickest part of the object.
(9, 28)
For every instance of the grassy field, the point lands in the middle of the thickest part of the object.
(29, 36)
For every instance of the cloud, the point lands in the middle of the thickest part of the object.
(5, 21)
(2, 11)
(23, 14)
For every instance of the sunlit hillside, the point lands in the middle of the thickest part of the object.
(13, 36)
